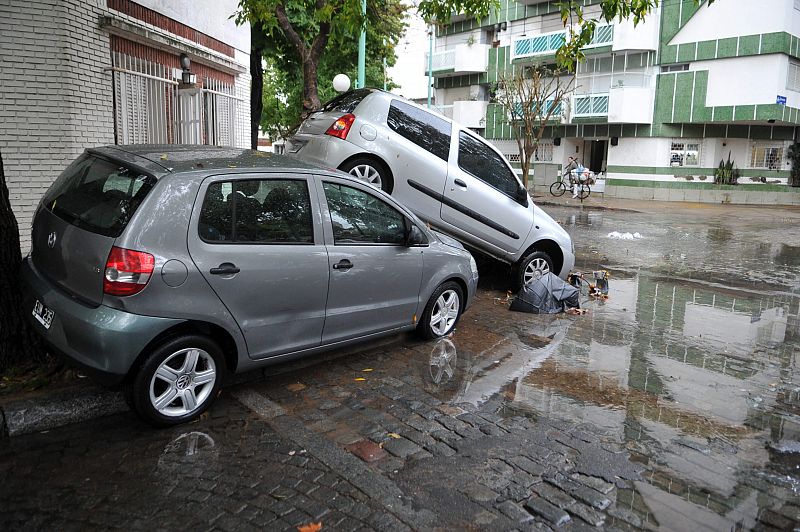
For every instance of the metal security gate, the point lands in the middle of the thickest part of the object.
(144, 101)
(150, 107)
(222, 108)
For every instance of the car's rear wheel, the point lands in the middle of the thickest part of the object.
(533, 266)
(370, 170)
(178, 381)
(442, 311)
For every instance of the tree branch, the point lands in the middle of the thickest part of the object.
(289, 31)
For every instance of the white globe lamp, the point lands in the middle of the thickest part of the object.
(341, 83)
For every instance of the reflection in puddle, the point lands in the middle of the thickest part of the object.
(190, 448)
(696, 381)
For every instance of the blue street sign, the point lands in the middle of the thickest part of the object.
(781, 100)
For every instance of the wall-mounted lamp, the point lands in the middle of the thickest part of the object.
(187, 76)
(500, 26)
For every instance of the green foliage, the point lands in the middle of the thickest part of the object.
(727, 173)
(283, 79)
(440, 11)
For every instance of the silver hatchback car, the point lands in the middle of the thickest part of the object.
(164, 267)
(449, 176)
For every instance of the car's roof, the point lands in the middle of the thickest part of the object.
(161, 159)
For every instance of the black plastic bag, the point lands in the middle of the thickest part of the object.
(547, 295)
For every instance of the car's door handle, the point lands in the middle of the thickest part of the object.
(343, 264)
(460, 183)
(226, 268)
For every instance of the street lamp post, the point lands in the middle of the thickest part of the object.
(362, 48)
(430, 64)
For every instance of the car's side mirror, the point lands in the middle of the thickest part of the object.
(415, 237)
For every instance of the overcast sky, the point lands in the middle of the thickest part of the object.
(409, 71)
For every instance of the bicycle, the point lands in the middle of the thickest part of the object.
(558, 188)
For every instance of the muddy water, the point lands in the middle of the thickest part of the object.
(692, 364)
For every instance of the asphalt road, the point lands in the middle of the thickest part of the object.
(675, 404)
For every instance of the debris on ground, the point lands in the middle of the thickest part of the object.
(548, 294)
(616, 235)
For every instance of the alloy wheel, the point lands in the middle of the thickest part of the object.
(367, 173)
(445, 312)
(536, 269)
(182, 382)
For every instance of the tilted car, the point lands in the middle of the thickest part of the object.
(449, 176)
(165, 267)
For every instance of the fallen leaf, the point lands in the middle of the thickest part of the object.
(310, 527)
(366, 370)
(164, 157)
(291, 453)
(394, 435)
(360, 379)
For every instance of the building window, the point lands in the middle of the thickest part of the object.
(675, 68)
(793, 77)
(767, 156)
(544, 152)
(684, 153)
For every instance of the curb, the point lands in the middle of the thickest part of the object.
(68, 406)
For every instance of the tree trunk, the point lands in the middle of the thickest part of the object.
(17, 342)
(310, 93)
(257, 86)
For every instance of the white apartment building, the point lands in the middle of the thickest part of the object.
(657, 106)
(81, 73)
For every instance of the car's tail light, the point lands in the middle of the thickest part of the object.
(341, 127)
(127, 272)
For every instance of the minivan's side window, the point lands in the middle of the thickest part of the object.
(481, 161)
(361, 218)
(420, 127)
(264, 211)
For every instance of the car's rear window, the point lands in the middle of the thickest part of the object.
(346, 102)
(98, 195)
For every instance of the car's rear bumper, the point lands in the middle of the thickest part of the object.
(102, 340)
(323, 149)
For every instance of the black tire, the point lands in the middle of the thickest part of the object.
(584, 191)
(558, 188)
(207, 352)
(355, 168)
(535, 259)
(430, 331)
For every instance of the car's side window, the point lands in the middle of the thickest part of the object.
(483, 162)
(361, 218)
(263, 211)
(427, 131)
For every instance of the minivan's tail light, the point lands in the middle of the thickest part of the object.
(341, 127)
(127, 272)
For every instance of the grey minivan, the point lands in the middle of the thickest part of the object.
(165, 267)
(448, 175)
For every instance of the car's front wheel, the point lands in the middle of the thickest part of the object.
(370, 170)
(533, 266)
(442, 311)
(178, 381)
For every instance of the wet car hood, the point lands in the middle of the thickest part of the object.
(448, 241)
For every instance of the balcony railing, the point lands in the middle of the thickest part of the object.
(548, 43)
(462, 59)
(517, 113)
(587, 105)
(442, 60)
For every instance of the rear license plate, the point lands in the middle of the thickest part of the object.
(43, 314)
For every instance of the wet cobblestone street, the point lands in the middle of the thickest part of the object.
(673, 405)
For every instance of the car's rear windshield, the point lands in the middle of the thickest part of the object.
(98, 195)
(346, 102)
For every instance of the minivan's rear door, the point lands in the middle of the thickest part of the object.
(483, 201)
(81, 215)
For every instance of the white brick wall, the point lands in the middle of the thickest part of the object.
(55, 97)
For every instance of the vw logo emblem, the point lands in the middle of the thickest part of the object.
(51, 239)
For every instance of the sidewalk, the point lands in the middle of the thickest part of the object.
(543, 198)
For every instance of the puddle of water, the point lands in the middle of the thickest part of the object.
(696, 381)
